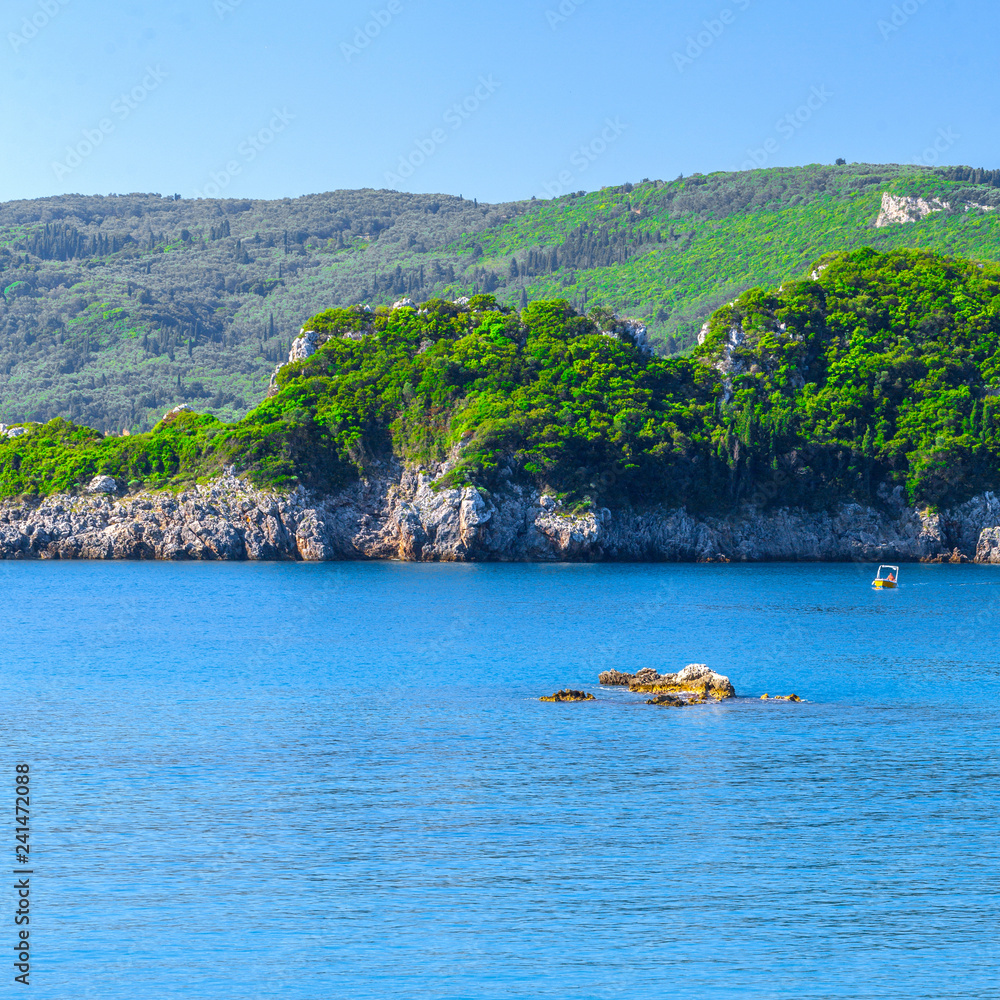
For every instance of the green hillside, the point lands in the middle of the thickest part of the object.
(114, 309)
(678, 251)
(882, 371)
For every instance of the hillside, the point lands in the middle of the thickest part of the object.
(880, 371)
(114, 309)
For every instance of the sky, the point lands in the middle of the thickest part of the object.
(497, 101)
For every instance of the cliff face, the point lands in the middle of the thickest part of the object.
(399, 516)
(898, 210)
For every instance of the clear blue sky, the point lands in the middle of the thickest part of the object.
(324, 112)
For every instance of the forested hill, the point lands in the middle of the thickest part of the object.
(882, 371)
(113, 309)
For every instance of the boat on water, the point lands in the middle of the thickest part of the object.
(887, 578)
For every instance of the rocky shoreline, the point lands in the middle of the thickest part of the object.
(398, 515)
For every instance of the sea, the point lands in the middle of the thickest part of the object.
(338, 781)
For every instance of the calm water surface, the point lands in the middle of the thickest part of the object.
(337, 781)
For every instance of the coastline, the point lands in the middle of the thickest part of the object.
(399, 516)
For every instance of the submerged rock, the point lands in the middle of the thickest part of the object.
(570, 696)
(672, 701)
(781, 697)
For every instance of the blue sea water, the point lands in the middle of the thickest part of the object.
(336, 781)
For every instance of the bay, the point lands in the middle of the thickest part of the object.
(337, 781)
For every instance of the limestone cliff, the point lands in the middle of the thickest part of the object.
(397, 514)
(898, 210)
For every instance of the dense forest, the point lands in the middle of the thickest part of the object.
(874, 372)
(114, 309)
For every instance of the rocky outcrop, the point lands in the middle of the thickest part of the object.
(303, 346)
(569, 696)
(632, 331)
(988, 549)
(226, 521)
(693, 685)
(696, 684)
(780, 697)
(900, 209)
(615, 678)
(401, 514)
(695, 679)
(103, 484)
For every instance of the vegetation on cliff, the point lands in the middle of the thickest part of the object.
(875, 369)
(115, 309)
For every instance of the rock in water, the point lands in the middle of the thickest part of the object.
(672, 701)
(696, 678)
(988, 550)
(615, 678)
(570, 696)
